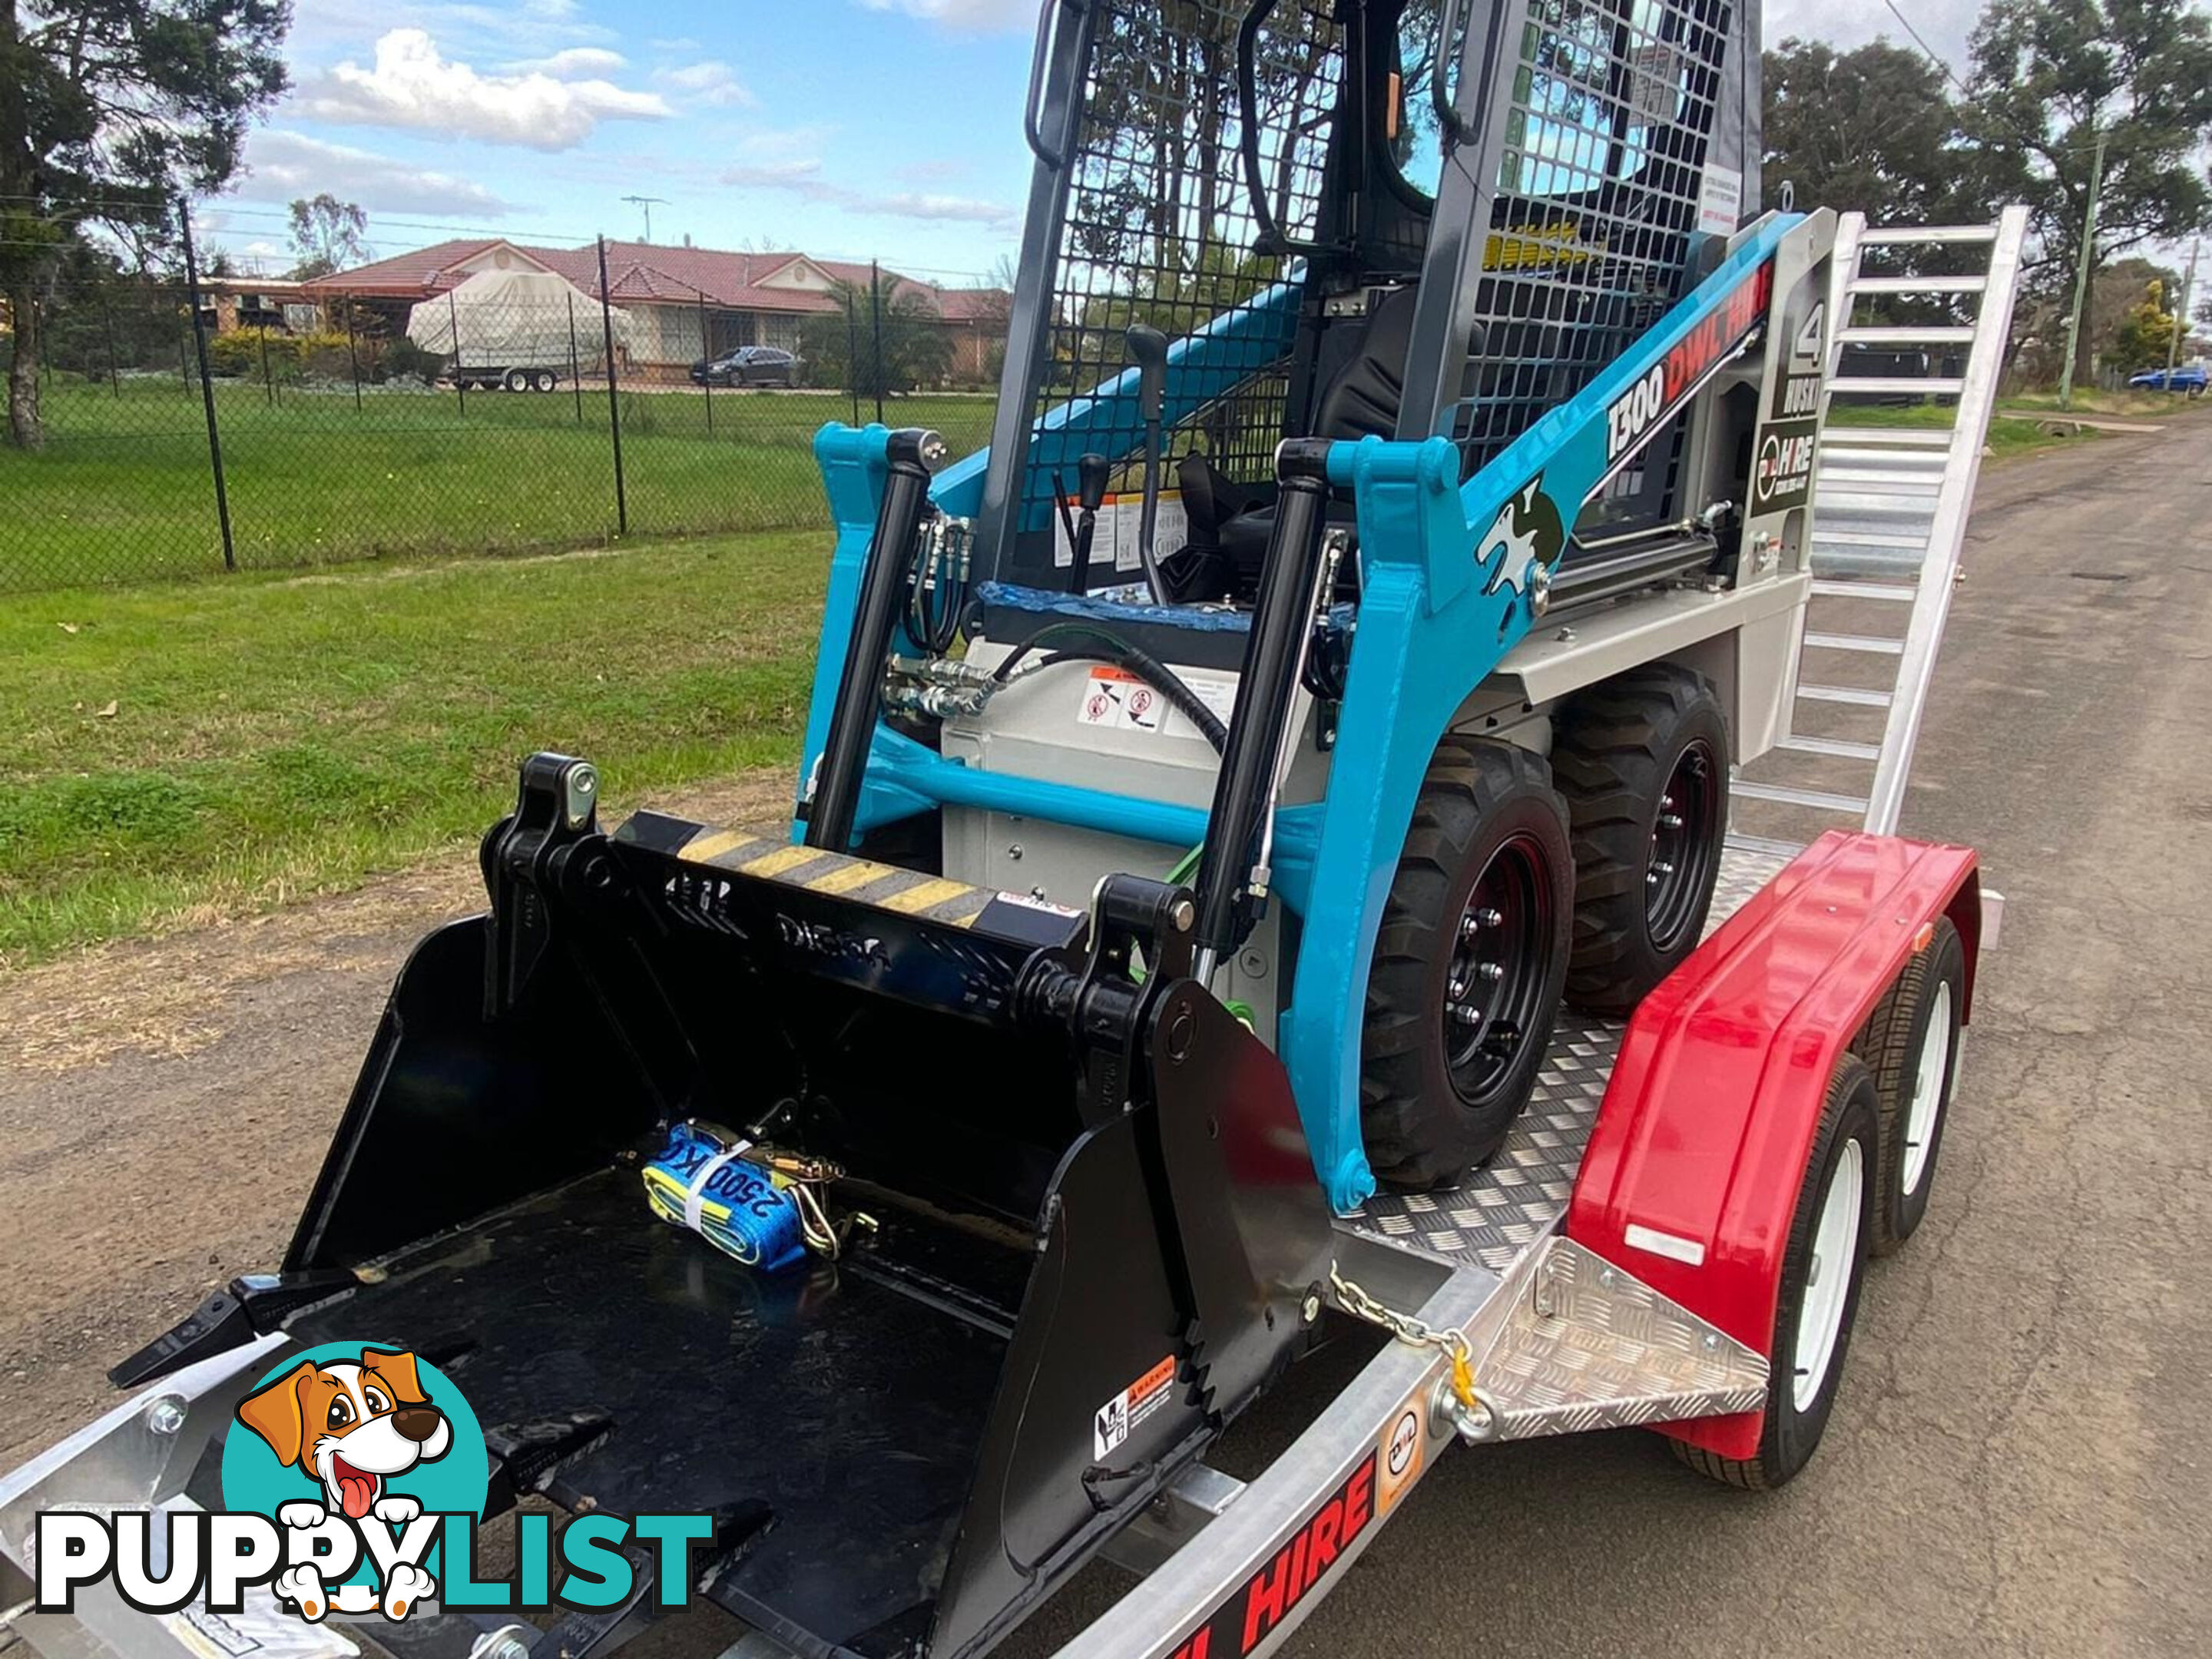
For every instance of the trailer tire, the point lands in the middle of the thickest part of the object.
(545, 380)
(1911, 1042)
(1813, 1312)
(1445, 1066)
(1631, 754)
(516, 379)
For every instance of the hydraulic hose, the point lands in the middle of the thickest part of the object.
(1111, 648)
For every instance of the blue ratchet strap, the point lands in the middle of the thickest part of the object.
(699, 1181)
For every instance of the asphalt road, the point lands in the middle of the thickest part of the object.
(2018, 1462)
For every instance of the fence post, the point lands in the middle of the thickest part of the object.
(576, 370)
(268, 383)
(876, 319)
(614, 405)
(453, 322)
(853, 353)
(115, 371)
(207, 387)
(353, 355)
(707, 357)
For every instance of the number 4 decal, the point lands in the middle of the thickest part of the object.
(1805, 349)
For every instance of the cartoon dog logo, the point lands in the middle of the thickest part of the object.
(1526, 536)
(351, 1428)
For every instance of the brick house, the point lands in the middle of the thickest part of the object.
(684, 303)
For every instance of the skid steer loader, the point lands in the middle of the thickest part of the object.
(1394, 530)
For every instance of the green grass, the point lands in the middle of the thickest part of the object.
(2123, 405)
(123, 491)
(278, 735)
(2009, 434)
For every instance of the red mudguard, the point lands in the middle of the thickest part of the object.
(1694, 1165)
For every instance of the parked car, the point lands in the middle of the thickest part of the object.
(753, 365)
(2188, 377)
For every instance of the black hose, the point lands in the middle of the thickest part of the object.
(1111, 648)
(935, 627)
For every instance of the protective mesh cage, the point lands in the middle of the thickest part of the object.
(1160, 227)
(1598, 193)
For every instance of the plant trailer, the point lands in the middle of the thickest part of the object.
(1270, 866)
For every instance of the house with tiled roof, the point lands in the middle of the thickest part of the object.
(685, 302)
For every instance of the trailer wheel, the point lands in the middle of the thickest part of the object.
(1830, 1234)
(544, 380)
(516, 379)
(1642, 761)
(1469, 964)
(1912, 1043)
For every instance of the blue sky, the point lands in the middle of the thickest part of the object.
(854, 128)
(885, 128)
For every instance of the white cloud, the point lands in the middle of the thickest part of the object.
(803, 176)
(412, 85)
(572, 61)
(284, 165)
(973, 16)
(710, 83)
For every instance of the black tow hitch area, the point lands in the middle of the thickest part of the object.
(1095, 1229)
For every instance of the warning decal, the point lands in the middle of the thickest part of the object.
(1115, 697)
(1119, 1417)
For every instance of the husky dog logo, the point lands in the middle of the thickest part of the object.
(1527, 535)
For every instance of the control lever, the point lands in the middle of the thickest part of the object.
(1090, 474)
(1148, 349)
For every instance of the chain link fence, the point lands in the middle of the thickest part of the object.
(338, 425)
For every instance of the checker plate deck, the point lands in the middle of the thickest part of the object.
(1507, 1208)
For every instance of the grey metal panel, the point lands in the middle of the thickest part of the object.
(1587, 1344)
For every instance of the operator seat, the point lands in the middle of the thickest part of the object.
(1229, 523)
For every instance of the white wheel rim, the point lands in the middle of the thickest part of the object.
(1835, 1243)
(1928, 1080)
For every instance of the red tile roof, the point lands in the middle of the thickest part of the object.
(649, 273)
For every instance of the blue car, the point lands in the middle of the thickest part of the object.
(2189, 378)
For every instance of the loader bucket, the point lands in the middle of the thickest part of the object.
(1095, 1219)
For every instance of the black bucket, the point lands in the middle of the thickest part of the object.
(1095, 1221)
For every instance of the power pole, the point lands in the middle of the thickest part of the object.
(2181, 321)
(2081, 275)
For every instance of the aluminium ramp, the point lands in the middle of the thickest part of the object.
(1919, 316)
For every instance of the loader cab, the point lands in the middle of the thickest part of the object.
(1343, 231)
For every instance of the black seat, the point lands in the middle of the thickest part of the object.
(1229, 523)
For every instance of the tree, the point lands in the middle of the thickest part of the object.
(1872, 130)
(840, 346)
(2051, 77)
(110, 111)
(328, 235)
(2136, 337)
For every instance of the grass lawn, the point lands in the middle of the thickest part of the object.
(201, 747)
(2009, 434)
(124, 490)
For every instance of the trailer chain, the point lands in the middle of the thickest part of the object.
(1473, 1414)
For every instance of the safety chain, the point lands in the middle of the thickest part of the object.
(1474, 1416)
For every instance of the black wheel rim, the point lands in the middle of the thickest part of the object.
(1495, 978)
(1683, 846)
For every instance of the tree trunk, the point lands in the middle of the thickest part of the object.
(25, 430)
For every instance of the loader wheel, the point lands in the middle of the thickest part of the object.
(1829, 1235)
(1911, 1044)
(1468, 963)
(1642, 761)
